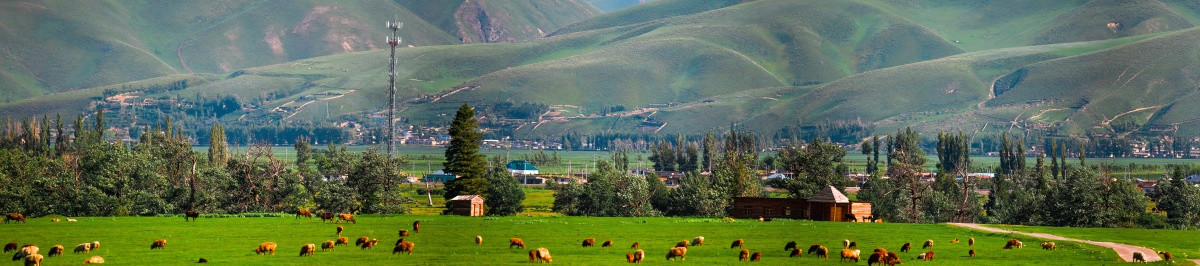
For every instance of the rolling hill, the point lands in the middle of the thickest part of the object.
(673, 66)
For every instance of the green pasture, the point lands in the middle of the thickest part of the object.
(448, 240)
(1183, 244)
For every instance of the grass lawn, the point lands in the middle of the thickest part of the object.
(449, 240)
(1181, 243)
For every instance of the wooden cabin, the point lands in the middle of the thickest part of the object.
(827, 205)
(467, 205)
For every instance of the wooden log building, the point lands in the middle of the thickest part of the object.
(467, 205)
(827, 205)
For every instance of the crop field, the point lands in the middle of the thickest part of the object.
(449, 240)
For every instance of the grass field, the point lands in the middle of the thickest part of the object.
(448, 240)
(1181, 243)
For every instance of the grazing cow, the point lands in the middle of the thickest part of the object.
(11, 246)
(95, 245)
(638, 256)
(370, 244)
(303, 212)
(744, 255)
(327, 216)
(848, 254)
(266, 247)
(25, 250)
(795, 253)
(849, 217)
(1166, 256)
(813, 249)
(682, 243)
(1048, 245)
(56, 250)
(677, 252)
(55, 220)
(202, 260)
(1138, 257)
(516, 242)
(790, 245)
(83, 248)
(880, 250)
(478, 240)
(928, 256)
(607, 243)
(971, 253)
(191, 214)
(629, 257)
(533, 256)
(853, 244)
(416, 227)
(698, 241)
(823, 253)
(403, 233)
(845, 243)
(361, 240)
(308, 249)
(341, 241)
(404, 247)
(327, 245)
(756, 256)
(589, 242)
(876, 258)
(737, 243)
(339, 230)
(971, 242)
(893, 258)
(346, 217)
(907, 246)
(94, 260)
(1013, 243)
(634, 246)
(928, 244)
(33, 260)
(955, 241)
(14, 217)
(544, 255)
(398, 241)
(159, 244)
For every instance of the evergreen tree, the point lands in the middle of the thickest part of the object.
(1178, 198)
(463, 158)
(60, 140)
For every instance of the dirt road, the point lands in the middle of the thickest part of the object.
(1123, 250)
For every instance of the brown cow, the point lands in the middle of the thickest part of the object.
(756, 256)
(607, 243)
(159, 244)
(341, 241)
(327, 245)
(404, 247)
(403, 233)
(56, 250)
(94, 260)
(191, 214)
(638, 256)
(893, 258)
(876, 258)
(850, 254)
(744, 255)
(339, 230)
(14, 217)
(629, 257)
(478, 240)
(790, 245)
(589, 242)
(1013, 243)
(266, 247)
(25, 250)
(737, 243)
(540, 255)
(516, 242)
(369, 244)
(813, 249)
(361, 240)
(11, 246)
(1166, 256)
(416, 227)
(398, 241)
(955, 241)
(1138, 257)
(698, 241)
(928, 256)
(327, 216)
(1048, 245)
(346, 217)
(303, 212)
(683, 243)
(308, 249)
(533, 256)
(83, 248)
(971, 253)
(823, 253)
(928, 244)
(971, 242)
(906, 247)
(677, 252)
(853, 245)
(795, 253)
(33, 260)
(634, 246)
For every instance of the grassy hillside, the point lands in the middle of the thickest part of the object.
(500, 21)
(614, 5)
(449, 240)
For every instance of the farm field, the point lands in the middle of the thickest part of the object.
(449, 240)
(1182, 244)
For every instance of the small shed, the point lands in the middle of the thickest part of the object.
(828, 204)
(467, 205)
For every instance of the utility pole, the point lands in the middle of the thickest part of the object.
(392, 41)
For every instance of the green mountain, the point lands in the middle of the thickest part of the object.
(676, 66)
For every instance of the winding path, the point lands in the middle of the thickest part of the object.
(1123, 250)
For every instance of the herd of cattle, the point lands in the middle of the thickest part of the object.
(849, 250)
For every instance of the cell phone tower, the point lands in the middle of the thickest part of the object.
(392, 41)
